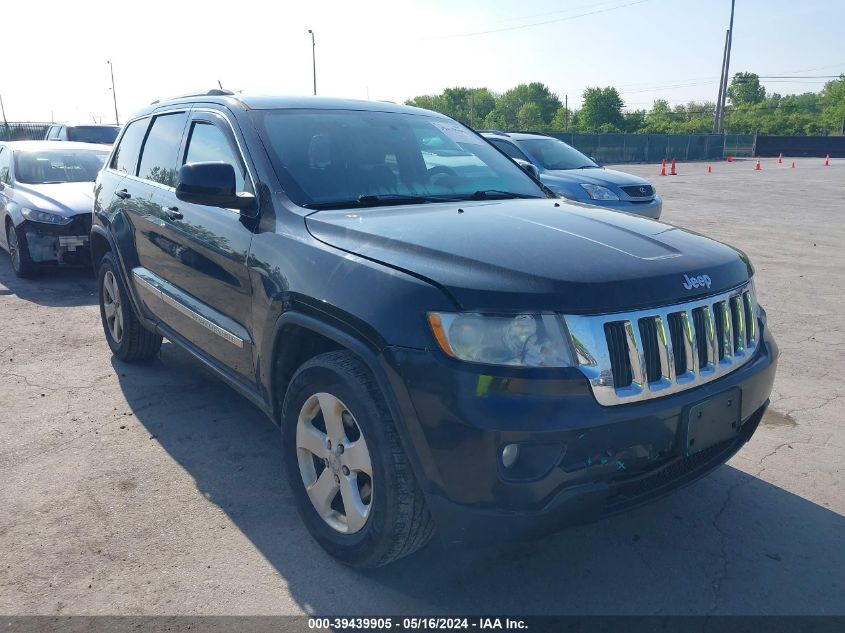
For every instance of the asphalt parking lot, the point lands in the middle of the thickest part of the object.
(156, 489)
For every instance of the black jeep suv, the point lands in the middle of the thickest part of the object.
(444, 344)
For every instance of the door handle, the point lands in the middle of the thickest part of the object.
(173, 213)
(123, 194)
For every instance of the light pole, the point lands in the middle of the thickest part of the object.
(113, 93)
(313, 61)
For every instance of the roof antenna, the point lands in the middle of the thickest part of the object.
(220, 84)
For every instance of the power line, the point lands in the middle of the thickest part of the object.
(525, 26)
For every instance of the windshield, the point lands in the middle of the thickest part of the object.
(554, 154)
(93, 134)
(54, 166)
(337, 158)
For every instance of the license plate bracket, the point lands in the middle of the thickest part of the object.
(712, 421)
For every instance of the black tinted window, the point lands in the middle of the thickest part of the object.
(508, 148)
(93, 134)
(209, 143)
(126, 155)
(160, 154)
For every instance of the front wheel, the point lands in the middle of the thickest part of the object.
(351, 480)
(19, 251)
(128, 339)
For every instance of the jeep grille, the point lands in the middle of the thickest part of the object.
(649, 353)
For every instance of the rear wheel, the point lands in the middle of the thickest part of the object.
(19, 251)
(128, 339)
(352, 482)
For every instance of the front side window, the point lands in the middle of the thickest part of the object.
(209, 143)
(508, 148)
(159, 157)
(5, 164)
(333, 158)
(554, 154)
(104, 134)
(125, 157)
(57, 166)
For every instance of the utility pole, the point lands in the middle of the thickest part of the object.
(5, 122)
(566, 111)
(113, 93)
(313, 60)
(724, 86)
(718, 113)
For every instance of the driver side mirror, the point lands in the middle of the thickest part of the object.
(213, 185)
(528, 168)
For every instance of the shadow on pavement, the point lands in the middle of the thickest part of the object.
(730, 543)
(53, 286)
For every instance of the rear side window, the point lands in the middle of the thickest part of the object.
(509, 149)
(160, 155)
(208, 143)
(126, 155)
(5, 162)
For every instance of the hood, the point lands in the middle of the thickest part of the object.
(64, 198)
(599, 176)
(544, 254)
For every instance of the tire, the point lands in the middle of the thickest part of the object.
(128, 339)
(22, 262)
(397, 520)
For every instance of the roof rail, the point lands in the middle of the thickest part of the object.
(214, 92)
(502, 132)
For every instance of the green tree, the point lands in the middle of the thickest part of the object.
(745, 89)
(832, 103)
(512, 100)
(561, 121)
(602, 107)
(530, 118)
(658, 120)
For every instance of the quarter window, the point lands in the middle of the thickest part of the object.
(208, 143)
(161, 149)
(126, 155)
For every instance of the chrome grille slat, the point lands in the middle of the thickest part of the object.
(718, 325)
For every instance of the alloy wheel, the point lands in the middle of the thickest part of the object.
(111, 306)
(14, 248)
(334, 463)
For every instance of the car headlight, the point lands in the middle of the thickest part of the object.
(597, 192)
(525, 340)
(36, 215)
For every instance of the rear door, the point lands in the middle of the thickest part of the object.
(202, 252)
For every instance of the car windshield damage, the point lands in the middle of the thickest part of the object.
(554, 154)
(333, 159)
(57, 166)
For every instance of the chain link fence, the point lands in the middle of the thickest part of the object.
(23, 131)
(647, 148)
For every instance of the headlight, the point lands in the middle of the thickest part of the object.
(46, 217)
(526, 340)
(597, 192)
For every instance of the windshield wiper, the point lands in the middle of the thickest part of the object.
(485, 194)
(588, 167)
(380, 200)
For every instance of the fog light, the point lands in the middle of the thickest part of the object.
(510, 454)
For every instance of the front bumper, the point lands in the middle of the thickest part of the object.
(67, 244)
(591, 460)
(649, 209)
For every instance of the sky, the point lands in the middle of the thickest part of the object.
(57, 52)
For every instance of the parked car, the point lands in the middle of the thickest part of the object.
(444, 346)
(83, 133)
(571, 174)
(46, 197)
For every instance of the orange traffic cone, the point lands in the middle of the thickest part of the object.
(757, 166)
(780, 158)
(663, 167)
(709, 169)
(827, 160)
(793, 164)
(672, 171)
(730, 158)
